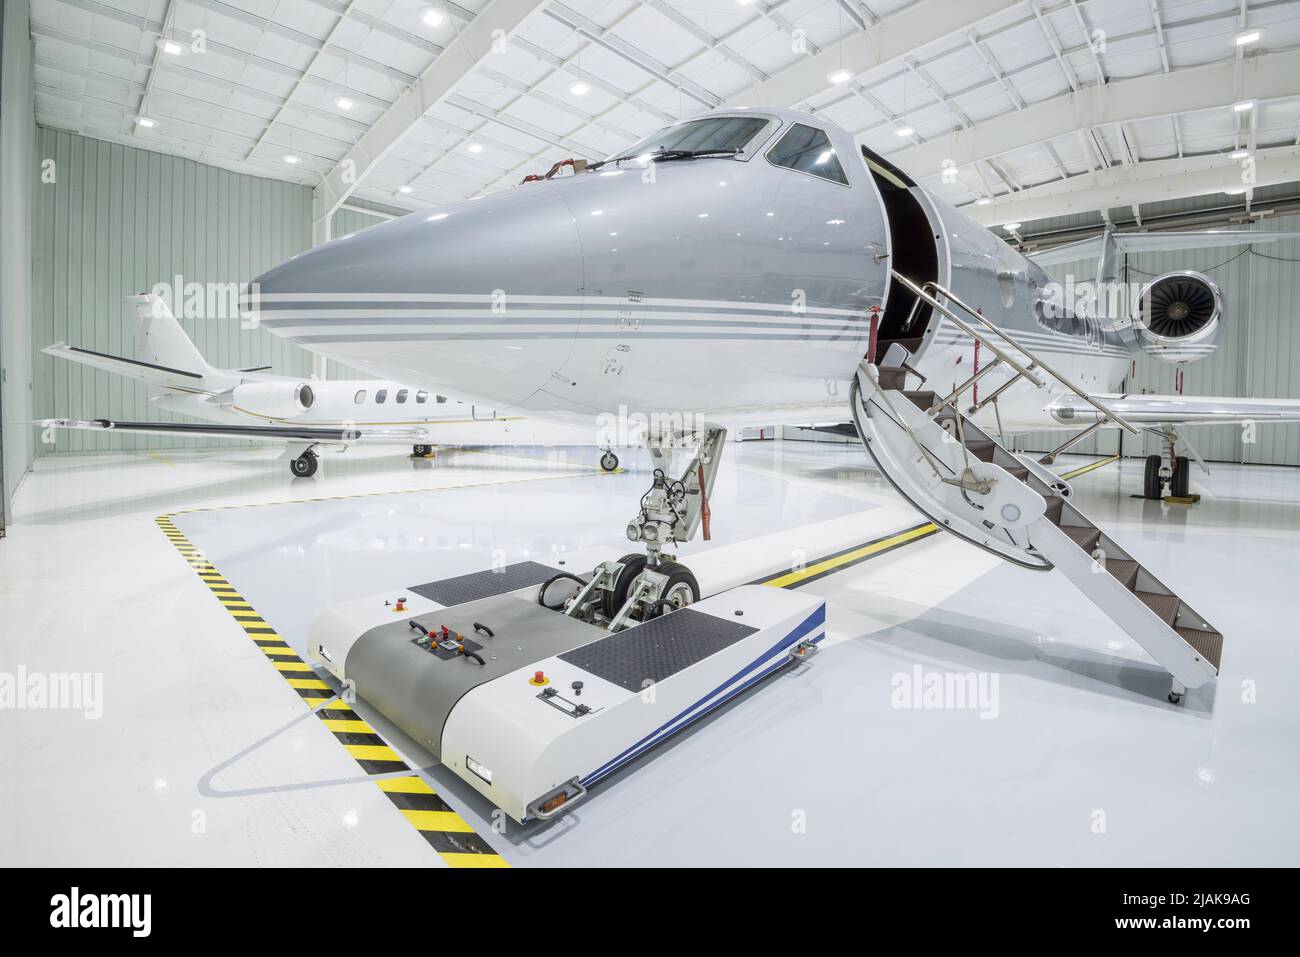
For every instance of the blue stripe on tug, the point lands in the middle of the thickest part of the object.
(814, 622)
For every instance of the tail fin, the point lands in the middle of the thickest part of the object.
(160, 338)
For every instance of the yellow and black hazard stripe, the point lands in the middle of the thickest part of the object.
(446, 831)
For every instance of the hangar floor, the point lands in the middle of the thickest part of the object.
(204, 756)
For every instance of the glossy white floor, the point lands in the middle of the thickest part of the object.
(203, 755)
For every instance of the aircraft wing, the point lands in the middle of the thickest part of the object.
(1176, 409)
(283, 433)
(163, 376)
(1156, 242)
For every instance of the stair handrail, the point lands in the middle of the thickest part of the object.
(920, 293)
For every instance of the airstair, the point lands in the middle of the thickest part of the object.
(968, 484)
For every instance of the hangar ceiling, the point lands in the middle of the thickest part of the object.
(1020, 110)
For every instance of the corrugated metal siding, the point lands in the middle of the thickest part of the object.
(117, 221)
(17, 155)
(1258, 354)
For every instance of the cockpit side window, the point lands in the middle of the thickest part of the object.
(808, 150)
(711, 133)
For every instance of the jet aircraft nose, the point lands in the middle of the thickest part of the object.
(484, 292)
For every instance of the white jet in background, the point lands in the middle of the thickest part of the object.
(307, 415)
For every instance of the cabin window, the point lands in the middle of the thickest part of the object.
(401, 396)
(808, 150)
(381, 396)
(360, 396)
(421, 397)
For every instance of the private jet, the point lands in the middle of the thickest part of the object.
(307, 415)
(758, 267)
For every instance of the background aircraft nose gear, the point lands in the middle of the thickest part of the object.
(609, 461)
(305, 465)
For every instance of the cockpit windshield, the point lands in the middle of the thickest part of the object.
(721, 134)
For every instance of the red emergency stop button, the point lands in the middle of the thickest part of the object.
(539, 678)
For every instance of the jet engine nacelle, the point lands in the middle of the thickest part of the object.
(274, 400)
(1177, 316)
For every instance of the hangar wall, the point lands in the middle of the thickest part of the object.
(117, 220)
(17, 154)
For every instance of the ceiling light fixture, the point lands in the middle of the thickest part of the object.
(474, 148)
(905, 131)
(1011, 227)
(839, 76)
(983, 201)
(343, 103)
(579, 89)
(432, 16)
(291, 159)
(403, 189)
(1243, 106)
(170, 47)
(147, 122)
(1249, 36)
(1239, 154)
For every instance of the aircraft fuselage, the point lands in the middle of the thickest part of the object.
(726, 290)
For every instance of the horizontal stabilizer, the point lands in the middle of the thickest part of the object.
(1156, 242)
(152, 373)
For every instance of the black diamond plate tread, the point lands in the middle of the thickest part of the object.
(658, 649)
(485, 584)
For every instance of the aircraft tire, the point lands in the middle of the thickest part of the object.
(1182, 481)
(1151, 478)
(305, 465)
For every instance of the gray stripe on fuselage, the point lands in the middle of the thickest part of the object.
(505, 320)
(508, 334)
(578, 304)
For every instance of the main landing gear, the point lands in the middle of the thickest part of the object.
(305, 465)
(637, 587)
(1168, 468)
(421, 451)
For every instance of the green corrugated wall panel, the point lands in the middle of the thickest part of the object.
(117, 221)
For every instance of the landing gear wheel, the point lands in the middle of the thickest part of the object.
(609, 462)
(633, 565)
(681, 590)
(1174, 697)
(1151, 478)
(304, 466)
(421, 451)
(1182, 480)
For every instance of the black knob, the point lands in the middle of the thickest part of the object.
(577, 687)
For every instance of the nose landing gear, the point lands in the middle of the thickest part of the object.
(608, 461)
(305, 465)
(640, 587)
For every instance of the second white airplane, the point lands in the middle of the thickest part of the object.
(307, 415)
